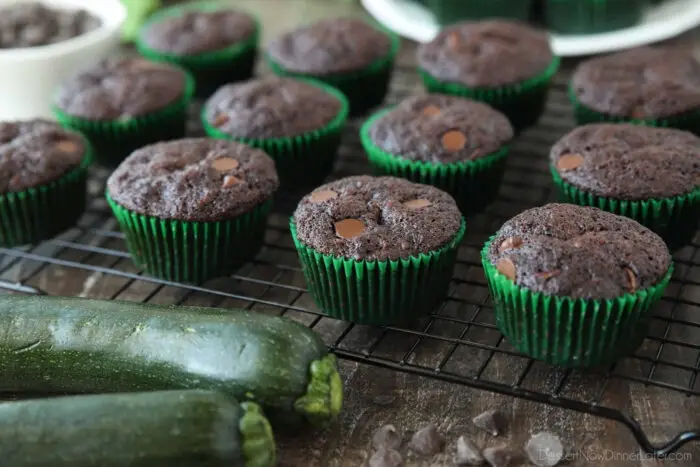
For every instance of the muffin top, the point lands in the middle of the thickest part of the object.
(486, 54)
(120, 88)
(271, 107)
(195, 32)
(441, 129)
(330, 46)
(639, 83)
(578, 252)
(195, 179)
(630, 162)
(36, 152)
(376, 218)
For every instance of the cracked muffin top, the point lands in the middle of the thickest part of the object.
(578, 252)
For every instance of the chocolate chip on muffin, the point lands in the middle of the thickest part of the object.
(578, 252)
(271, 107)
(36, 152)
(441, 129)
(337, 45)
(376, 218)
(629, 162)
(641, 83)
(486, 54)
(196, 32)
(121, 88)
(198, 180)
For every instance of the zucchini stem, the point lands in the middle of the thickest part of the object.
(323, 400)
(257, 440)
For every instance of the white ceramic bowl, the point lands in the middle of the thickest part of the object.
(29, 76)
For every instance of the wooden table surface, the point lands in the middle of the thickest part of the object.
(375, 397)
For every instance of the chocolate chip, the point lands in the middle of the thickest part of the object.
(230, 180)
(506, 267)
(499, 456)
(67, 146)
(427, 441)
(569, 162)
(631, 280)
(431, 110)
(386, 437)
(386, 458)
(491, 421)
(544, 449)
(468, 453)
(224, 164)
(220, 119)
(417, 203)
(454, 140)
(322, 195)
(509, 244)
(548, 274)
(349, 228)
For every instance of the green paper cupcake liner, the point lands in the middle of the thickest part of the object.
(366, 88)
(567, 331)
(473, 184)
(304, 160)
(688, 121)
(113, 140)
(675, 219)
(522, 103)
(451, 11)
(210, 70)
(194, 252)
(378, 292)
(592, 16)
(42, 212)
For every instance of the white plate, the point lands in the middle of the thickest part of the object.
(668, 20)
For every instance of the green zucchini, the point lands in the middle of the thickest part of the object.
(181, 428)
(78, 345)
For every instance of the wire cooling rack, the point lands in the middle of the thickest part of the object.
(459, 343)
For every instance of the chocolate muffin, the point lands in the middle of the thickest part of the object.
(43, 177)
(377, 250)
(649, 174)
(573, 285)
(215, 44)
(346, 53)
(506, 64)
(456, 144)
(193, 209)
(121, 104)
(652, 85)
(297, 122)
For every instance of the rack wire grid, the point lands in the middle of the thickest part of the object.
(458, 343)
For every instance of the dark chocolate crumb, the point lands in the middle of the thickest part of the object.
(468, 453)
(499, 456)
(386, 437)
(491, 421)
(427, 441)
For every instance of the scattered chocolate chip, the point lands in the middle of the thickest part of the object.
(224, 164)
(506, 267)
(386, 458)
(544, 449)
(386, 437)
(454, 140)
(349, 228)
(468, 453)
(491, 421)
(548, 274)
(322, 195)
(417, 203)
(431, 110)
(220, 119)
(499, 456)
(427, 441)
(510, 243)
(230, 180)
(67, 146)
(631, 280)
(569, 162)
